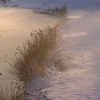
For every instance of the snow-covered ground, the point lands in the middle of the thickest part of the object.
(15, 27)
(82, 79)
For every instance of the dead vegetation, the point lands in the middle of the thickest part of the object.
(37, 55)
(33, 60)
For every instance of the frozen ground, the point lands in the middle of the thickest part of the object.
(82, 79)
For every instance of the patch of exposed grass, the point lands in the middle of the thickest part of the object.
(37, 56)
(16, 91)
(59, 11)
(13, 92)
(34, 58)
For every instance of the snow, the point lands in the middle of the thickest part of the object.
(15, 27)
(81, 81)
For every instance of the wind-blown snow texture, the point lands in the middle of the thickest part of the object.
(82, 79)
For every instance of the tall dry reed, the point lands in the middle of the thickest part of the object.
(31, 61)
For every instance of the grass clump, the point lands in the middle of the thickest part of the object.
(11, 92)
(37, 56)
(33, 59)
(59, 11)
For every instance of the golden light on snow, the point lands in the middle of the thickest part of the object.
(74, 17)
(15, 28)
(71, 35)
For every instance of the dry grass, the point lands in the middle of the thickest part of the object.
(12, 92)
(16, 91)
(35, 56)
(59, 11)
